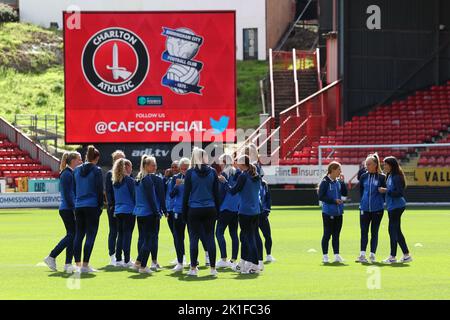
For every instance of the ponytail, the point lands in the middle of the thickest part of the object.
(67, 158)
(142, 173)
(118, 171)
(375, 158)
(92, 153)
(252, 170)
(63, 163)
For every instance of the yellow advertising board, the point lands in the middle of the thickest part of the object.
(431, 177)
(22, 184)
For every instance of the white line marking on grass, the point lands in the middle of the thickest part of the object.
(418, 244)
(312, 250)
(41, 264)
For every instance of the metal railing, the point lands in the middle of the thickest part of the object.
(36, 152)
(294, 61)
(258, 135)
(310, 118)
(40, 128)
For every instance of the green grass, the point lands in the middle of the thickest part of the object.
(249, 73)
(32, 93)
(26, 237)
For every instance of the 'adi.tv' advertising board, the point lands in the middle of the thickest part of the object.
(143, 76)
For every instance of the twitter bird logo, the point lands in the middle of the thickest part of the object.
(221, 125)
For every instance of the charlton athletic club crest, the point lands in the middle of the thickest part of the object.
(115, 61)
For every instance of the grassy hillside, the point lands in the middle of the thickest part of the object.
(32, 79)
(32, 93)
(249, 73)
(27, 48)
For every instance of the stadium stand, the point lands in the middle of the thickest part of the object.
(18, 163)
(437, 157)
(423, 117)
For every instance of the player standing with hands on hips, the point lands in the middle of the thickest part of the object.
(331, 190)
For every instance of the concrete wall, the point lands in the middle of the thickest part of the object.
(279, 14)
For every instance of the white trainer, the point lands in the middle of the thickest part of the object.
(406, 259)
(222, 264)
(270, 258)
(338, 258)
(155, 266)
(193, 272)
(128, 264)
(361, 259)
(390, 260)
(145, 270)
(250, 268)
(112, 260)
(261, 265)
(238, 267)
(214, 272)
(88, 269)
(51, 263)
(179, 267)
(325, 258)
(134, 267)
(119, 264)
(68, 268)
(372, 258)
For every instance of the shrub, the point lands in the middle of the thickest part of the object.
(7, 14)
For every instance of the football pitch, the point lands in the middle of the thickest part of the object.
(28, 235)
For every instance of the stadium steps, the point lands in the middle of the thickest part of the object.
(284, 88)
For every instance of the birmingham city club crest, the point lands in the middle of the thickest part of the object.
(183, 75)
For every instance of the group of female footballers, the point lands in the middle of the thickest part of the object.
(192, 195)
(377, 190)
(206, 201)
